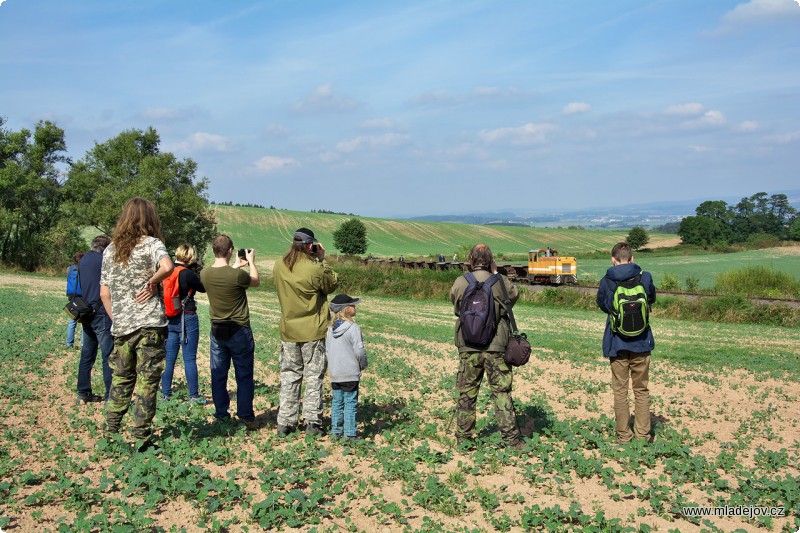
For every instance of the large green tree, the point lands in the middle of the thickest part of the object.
(132, 164)
(33, 231)
(351, 237)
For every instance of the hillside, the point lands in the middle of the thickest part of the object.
(269, 231)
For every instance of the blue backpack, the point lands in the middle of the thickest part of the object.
(478, 322)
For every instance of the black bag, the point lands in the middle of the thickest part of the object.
(224, 329)
(78, 308)
(518, 350)
(478, 323)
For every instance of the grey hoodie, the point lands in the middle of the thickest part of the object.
(345, 351)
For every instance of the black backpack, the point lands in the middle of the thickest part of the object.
(631, 310)
(478, 322)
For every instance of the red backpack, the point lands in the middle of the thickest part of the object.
(173, 305)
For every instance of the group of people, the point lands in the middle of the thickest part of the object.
(139, 344)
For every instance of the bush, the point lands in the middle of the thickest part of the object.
(669, 282)
(692, 283)
(758, 281)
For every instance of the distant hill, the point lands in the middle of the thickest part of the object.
(269, 231)
(648, 215)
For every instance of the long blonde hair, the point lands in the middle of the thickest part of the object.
(138, 219)
(341, 315)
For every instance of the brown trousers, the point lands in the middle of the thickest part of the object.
(634, 368)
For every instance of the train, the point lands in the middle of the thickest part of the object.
(544, 266)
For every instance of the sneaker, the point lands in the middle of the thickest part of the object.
(315, 429)
(197, 400)
(92, 398)
(284, 431)
(353, 439)
(336, 436)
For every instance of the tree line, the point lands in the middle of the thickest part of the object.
(47, 200)
(716, 223)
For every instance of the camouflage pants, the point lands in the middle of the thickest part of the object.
(471, 367)
(301, 362)
(139, 354)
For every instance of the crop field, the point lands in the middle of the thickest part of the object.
(704, 268)
(269, 231)
(725, 405)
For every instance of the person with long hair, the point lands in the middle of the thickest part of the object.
(183, 331)
(134, 264)
(303, 281)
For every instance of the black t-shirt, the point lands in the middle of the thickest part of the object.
(187, 279)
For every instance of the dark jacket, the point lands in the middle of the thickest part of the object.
(189, 280)
(613, 343)
(500, 340)
(89, 267)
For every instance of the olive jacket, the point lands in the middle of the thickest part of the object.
(303, 296)
(500, 340)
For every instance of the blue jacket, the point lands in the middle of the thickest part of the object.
(73, 282)
(613, 343)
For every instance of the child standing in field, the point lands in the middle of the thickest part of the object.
(629, 354)
(347, 358)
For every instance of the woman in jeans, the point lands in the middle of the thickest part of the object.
(184, 329)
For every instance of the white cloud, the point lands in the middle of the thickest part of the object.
(784, 138)
(378, 124)
(684, 109)
(373, 141)
(169, 113)
(526, 134)
(748, 126)
(709, 119)
(762, 10)
(271, 163)
(434, 98)
(203, 142)
(696, 148)
(480, 94)
(276, 130)
(324, 100)
(576, 107)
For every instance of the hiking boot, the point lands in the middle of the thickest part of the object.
(92, 398)
(148, 444)
(251, 425)
(284, 431)
(465, 444)
(315, 429)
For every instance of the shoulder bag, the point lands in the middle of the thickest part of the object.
(518, 350)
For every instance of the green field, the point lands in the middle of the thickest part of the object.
(724, 402)
(269, 231)
(704, 267)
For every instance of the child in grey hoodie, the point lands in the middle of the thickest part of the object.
(347, 358)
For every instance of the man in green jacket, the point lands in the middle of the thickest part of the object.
(303, 281)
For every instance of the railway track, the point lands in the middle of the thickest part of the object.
(519, 274)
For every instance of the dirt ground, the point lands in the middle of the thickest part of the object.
(573, 390)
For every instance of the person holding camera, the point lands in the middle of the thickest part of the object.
(231, 337)
(183, 330)
(303, 281)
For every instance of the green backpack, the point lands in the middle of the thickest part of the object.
(631, 310)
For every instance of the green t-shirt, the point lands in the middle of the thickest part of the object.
(227, 299)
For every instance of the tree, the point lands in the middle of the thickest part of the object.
(637, 237)
(131, 164)
(33, 231)
(351, 237)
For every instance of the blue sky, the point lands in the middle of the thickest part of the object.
(410, 108)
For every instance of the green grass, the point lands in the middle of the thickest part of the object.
(704, 267)
(269, 231)
(58, 473)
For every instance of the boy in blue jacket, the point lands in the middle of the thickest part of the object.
(629, 356)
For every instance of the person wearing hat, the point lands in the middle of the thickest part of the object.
(303, 281)
(347, 358)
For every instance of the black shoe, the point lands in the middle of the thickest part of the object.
(92, 398)
(251, 425)
(315, 429)
(284, 431)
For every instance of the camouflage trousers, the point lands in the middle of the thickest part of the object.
(301, 362)
(139, 354)
(471, 367)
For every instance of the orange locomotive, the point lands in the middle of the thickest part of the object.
(546, 266)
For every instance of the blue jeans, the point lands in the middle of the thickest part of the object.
(343, 413)
(96, 333)
(240, 349)
(71, 325)
(189, 349)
